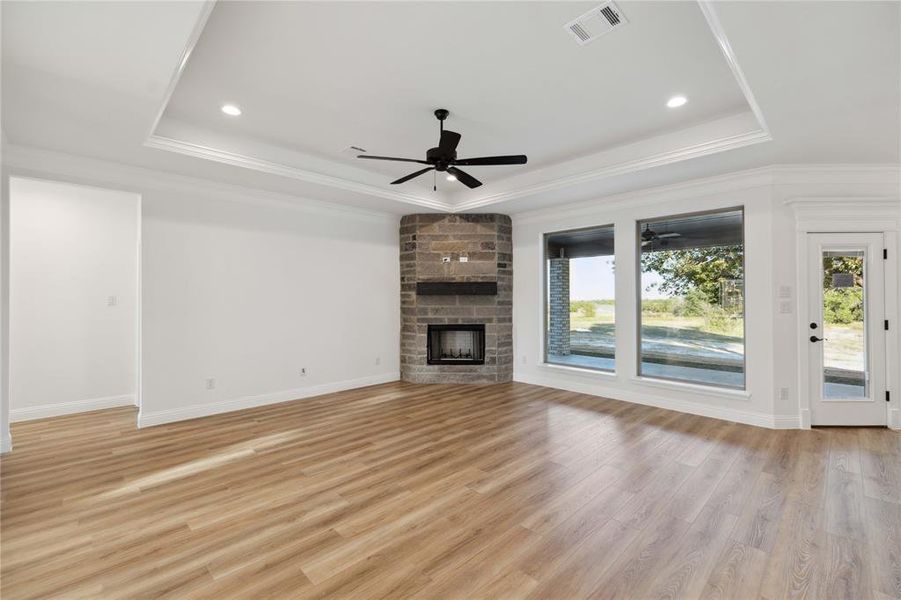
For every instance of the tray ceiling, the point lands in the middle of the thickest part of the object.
(313, 78)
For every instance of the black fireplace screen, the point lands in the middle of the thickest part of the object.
(456, 345)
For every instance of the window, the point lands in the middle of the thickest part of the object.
(580, 298)
(692, 298)
(844, 324)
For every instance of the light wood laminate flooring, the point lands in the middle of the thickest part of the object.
(441, 491)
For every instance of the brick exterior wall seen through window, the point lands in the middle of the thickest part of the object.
(558, 307)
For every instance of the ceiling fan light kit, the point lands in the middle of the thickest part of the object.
(443, 158)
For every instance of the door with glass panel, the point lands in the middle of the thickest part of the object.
(846, 329)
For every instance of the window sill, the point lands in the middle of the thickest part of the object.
(695, 388)
(577, 370)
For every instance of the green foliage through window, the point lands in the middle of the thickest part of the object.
(702, 269)
(843, 305)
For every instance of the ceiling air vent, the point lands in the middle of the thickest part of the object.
(596, 22)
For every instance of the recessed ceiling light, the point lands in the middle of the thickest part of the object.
(452, 178)
(676, 101)
(231, 110)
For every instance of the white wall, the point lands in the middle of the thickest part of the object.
(72, 248)
(249, 293)
(772, 356)
(247, 288)
(5, 438)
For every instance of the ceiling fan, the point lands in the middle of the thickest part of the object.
(649, 236)
(444, 158)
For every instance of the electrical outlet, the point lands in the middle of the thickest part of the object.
(303, 371)
(783, 393)
(524, 360)
(464, 259)
(378, 360)
(112, 300)
(211, 383)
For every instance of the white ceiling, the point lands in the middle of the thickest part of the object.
(92, 79)
(320, 76)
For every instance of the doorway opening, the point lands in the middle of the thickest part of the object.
(74, 298)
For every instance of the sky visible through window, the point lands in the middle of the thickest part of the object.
(587, 280)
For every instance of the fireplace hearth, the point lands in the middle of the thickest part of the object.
(456, 345)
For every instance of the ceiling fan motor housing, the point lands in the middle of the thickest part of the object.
(439, 158)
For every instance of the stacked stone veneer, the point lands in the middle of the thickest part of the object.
(486, 241)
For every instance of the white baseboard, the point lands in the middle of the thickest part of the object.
(787, 422)
(724, 413)
(69, 408)
(6, 443)
(149, 419)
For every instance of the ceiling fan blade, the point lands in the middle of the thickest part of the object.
(673, 234)
(412, 160)
(464, 177)
(412, 175)
(449, 141)
(517, 159)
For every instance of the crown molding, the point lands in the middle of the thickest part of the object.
(272, 168)
(875, 174)
(888, 202)
(202, 18)
(845, 212)
(622, 168)
(716, 28)
(22, 161)
(773, 175)
(719, 184)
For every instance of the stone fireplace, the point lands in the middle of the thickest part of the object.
(456, 298)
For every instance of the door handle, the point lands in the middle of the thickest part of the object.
(814, 338)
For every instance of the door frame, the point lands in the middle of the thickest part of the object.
(870, 410)
(848, 215)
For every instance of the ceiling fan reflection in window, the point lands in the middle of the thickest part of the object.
(651, 238)
(444, 158)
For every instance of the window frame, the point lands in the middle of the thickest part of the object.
(744, 309)
(545, 303)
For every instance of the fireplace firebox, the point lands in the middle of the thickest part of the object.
(456, 345)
